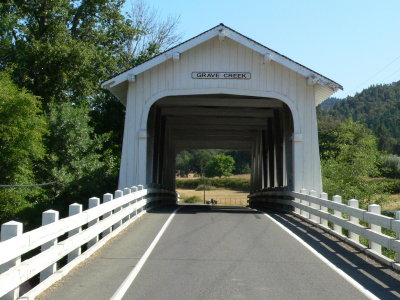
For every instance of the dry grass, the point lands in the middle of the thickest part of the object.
(393, 202)
(223, 196)
(245, 176)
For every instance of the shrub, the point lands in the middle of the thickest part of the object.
(391, 166)
(207, 187)
(192, 199)
(241, 184)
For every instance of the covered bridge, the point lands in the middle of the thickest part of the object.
(222, 90)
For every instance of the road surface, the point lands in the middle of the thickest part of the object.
(225, 253)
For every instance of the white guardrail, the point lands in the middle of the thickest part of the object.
(83, 230)
(318, 210)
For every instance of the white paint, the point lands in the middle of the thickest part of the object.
(12, 248)
(10, 230)
(176, 56)
(375, 209)
(48, 217)
(74, 209)
(132, 78)
(37, 290)
(267, 57)
(373, 234)
(281, 80)
(221, 32)
(350, 280)
(337, 213)
(120, 292)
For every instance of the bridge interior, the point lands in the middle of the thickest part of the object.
(259, 125)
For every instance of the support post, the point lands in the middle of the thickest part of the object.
(353, 236)
(74, 209)
(324, 222)
(48, 217)
(107, 198)
(117, 194)
(375, 209)
(93, 202)
(8, 231)
(337, 199)
(315, 218)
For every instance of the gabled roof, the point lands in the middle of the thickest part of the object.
(222, 30)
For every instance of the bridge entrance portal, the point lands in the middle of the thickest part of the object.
(262, 126)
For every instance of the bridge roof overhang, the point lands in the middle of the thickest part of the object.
(118, 84)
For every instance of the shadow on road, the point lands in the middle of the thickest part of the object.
(379, 279)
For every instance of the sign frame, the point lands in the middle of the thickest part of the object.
(221, 75)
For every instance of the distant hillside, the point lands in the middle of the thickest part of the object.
(378, 107)
(329, 103)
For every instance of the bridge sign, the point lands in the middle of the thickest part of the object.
(221, 75)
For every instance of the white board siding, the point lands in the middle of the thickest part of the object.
(215, 55)
(174, 78)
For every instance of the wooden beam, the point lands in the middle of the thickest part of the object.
(218, 112)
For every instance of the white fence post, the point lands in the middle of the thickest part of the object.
(8, 231)
(74, 209)
(117, 194)
(302, 212)
(397, 217)
(106, 198)
(324, 222)
(126, 191)
(337, 199)
(375, 209)
(48, 217)
(353, 236)
(93, 202)
(316, 206)
(296, 209)
(134, 189)
(140, 187)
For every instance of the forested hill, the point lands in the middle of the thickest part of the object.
(378, 107)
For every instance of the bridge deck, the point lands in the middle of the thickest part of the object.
(224, 253)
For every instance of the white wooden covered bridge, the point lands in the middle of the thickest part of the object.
(222, 90)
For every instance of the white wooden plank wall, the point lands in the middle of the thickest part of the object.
(174, 78)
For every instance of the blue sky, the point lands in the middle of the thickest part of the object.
(355, 43)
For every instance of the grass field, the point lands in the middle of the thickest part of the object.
(223, 196)
(232, 191)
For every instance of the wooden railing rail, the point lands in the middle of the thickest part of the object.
(86, 230)
(334, 216)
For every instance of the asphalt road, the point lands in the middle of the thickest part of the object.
(224, 253)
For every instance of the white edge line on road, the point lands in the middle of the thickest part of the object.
(353, 282)
(135, 271)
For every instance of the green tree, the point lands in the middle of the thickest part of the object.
(76, 155)
(220, 165)
(22, 128)
(377, 107)
(61, 51)
(349, 154)
(200, 160)
(183, 162)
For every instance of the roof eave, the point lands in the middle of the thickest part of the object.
(230, 33)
